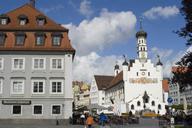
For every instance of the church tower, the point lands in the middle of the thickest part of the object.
(116, 69)
(141, 36)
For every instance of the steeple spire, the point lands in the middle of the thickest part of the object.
(159, 61)
(141, 36)
(141, 20)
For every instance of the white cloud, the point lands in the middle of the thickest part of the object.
(164, 12)
(102, 31)
(93, 64)
(168, 58)
(85, 8)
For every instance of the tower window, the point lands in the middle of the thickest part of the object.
(2, 38)
(20, 38)
(153, 103)
(148, 73)
(137, 73)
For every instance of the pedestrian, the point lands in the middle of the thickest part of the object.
(89, 121)
(102, 119)
(82, 119)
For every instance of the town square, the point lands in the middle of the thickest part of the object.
(95, 64)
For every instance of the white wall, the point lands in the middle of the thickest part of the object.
(134, 89)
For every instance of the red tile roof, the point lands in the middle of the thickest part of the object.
(30, 29)
(32, 14)
(116, 80)
(165, 84)
(102, 81)
(106, 82)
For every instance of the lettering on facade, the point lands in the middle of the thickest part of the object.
(16, 102)
(143, 80)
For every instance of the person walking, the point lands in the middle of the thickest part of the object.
(89, 121)
(102, 120)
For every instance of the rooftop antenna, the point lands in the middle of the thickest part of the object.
(32, 3)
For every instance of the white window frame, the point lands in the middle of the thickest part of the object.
(2, 63)
(23, 68)
(33, 110)
(17, 114)
(3, 21)
(60, 109)
(62, 86)
(38, 80)
(22, 22)
(1, 85)
(51, 64)
(33, 64)
(23, 86)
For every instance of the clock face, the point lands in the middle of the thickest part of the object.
(143, 73)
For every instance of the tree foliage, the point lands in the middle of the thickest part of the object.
(183, 73)
(186, 31)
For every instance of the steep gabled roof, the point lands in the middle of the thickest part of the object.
(31, 13)
(117, 79)
(30, 29)
(103, 81)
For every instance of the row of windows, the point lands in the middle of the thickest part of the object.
(142, 73)
(37, 109)
(39, 37)
(37, 86)
(37, 63)
(22, 20)
(132, 107)
(152, 103)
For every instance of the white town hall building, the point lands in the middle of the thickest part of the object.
(139, 86)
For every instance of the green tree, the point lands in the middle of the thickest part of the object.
(186, 31)
(183, 74)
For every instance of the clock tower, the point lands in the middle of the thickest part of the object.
(141, 36)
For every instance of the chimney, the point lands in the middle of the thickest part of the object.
(32, 3)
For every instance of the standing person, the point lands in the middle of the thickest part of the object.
(102, 119)
(82, 119)
(89, 121)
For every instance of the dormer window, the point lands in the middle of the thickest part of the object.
(40, 38)
(22, 19)
(41, 20)
(56, 39)
(2, 38)
(20, 38)
(4, 19)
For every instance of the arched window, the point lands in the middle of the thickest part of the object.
(153, 103)
(159, 106)
(138, 103)
(132, 107)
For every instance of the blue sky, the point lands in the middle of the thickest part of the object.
(83, 16)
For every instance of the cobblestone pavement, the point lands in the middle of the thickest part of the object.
(144, 123)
